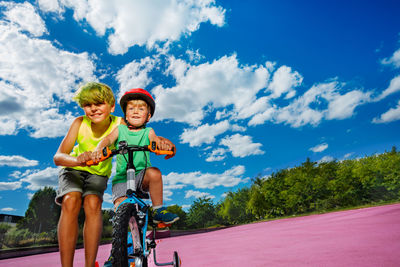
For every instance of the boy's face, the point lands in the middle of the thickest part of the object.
(137, 113)
(97, 113)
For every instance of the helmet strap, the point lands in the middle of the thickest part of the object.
(131, 127)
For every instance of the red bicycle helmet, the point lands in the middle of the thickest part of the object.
(137, 93)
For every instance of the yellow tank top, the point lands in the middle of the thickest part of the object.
(87, 142)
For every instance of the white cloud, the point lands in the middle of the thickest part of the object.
(217, 155)
(25, 16)
(35, 78)
(283, 82)
(17, 161)
(107, 198)
(238, 128)
(342, 106)
(392, 114)
(7, 209)
(144, 23)
(40, 178)
(232, 91)
(205, 134)
(217, 85)
(50, 6)
(326, 159)
(348, 155)
(198, 194)
(319, 148)
(198, 179)
(394, 87)
(327, 103)
(167, 195)
(194, 55)
(9, 185)
(177, 68)
(135, 75)
(393, 60)
(223, 114)
(186, 207)
(241, 145)
(260, 105)
(267, 115)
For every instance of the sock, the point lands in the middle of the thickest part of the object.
(157, 207)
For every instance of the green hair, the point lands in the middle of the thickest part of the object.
(94, 93)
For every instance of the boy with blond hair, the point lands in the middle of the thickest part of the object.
(81, 184)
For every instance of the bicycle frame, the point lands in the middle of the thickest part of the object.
(139, 219)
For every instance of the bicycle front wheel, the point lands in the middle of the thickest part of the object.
(119, 250)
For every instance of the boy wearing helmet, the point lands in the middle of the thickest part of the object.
(138, 107)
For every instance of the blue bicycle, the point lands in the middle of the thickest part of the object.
(133, 216)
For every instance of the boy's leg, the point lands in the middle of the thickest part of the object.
(68, 227)
(92, 228)
(152, 182)
(93, 191)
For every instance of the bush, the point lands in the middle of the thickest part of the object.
(4, 227)
(14, 237)
(107, 231)
(24, 238)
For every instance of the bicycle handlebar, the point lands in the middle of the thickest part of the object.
(124, 148)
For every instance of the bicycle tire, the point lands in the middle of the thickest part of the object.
(119, 250)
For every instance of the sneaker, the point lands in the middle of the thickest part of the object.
(162, 215)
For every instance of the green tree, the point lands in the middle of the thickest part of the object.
(202, 213)
(233, 208)
(322, 195)
(346, 188)
(107, 224)
(42, 213)
(388, 165)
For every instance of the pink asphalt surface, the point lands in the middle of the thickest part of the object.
(362, 237)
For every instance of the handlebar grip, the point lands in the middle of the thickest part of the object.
(106, 153)
(153, 148)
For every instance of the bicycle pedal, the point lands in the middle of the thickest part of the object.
(163, 225)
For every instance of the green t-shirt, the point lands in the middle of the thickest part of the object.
(141, 159)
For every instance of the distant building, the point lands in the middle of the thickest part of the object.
(10, 219)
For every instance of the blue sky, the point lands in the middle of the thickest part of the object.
(242, 87)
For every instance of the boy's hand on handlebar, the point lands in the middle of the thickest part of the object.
(96, 156)
(165, 144)
(83, 158)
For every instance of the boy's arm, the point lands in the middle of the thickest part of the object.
(106, 141)
(62, 157)
(162, 143)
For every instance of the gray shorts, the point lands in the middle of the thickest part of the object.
(71, 180)
(119, 189)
